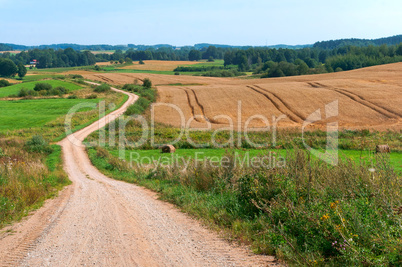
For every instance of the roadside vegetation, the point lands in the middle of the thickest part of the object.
(305, 213)
(147, 96)
(31, 168)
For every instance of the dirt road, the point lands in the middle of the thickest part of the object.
(103, 222)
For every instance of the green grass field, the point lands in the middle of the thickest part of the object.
(14, 89)
(395, 158)
(32, 113)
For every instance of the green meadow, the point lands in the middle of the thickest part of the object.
(21, 114)
(14, 89)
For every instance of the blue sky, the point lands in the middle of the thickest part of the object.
(179, 22)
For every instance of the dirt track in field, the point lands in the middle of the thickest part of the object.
(368, 98)
(103, 222)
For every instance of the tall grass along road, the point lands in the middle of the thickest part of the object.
(103, 222)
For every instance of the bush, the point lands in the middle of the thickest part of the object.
(42, 87)
(141, 62)
(147, 83)
(133, 88)
(25, 92)
(38, 144)
(81, 81)
(62, 90)
(75, 76)
(102, 88)
(72, 97)
(2, 154)
(93, 96)
(177, 73)
(4, 83)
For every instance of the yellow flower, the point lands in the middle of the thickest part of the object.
(334, 204)
(325, 217)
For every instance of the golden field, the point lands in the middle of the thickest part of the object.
(368, 98)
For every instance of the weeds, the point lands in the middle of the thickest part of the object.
(306, 213)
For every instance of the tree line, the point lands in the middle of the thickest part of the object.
(267, 62)
(290, 62)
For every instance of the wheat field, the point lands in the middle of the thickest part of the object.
(367, 98)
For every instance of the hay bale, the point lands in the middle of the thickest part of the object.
(168, 149)
(382, 149)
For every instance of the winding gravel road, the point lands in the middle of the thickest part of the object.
(103, 222)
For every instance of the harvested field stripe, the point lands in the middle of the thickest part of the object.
(383, 111)
(202, 108)
(104, 78)
(191, 106)
(294, 112)
(278, 104)
(126, 75)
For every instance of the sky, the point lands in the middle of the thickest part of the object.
(184, 22)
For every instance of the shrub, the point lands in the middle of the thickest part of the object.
(38, 144)
(42, 87)
(25, 92)
(2, 154)
(147, 83)
(4, 83)
(72, 97)
(76, 76)
(102, 88)
(128, 60)
(62, 90)
(177, 73)
(80, 81)
(133, 88)
(93, 96)
(141, 62)
(139, 107)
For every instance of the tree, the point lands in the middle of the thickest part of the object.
(194, 55)
(147, 83)
(7, 67)
(399, 50)
(22, 71)
(128, 60)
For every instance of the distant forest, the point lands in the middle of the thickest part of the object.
(329, 56)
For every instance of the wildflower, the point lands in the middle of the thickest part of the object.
(325, 217)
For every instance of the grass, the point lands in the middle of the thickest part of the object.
(14, 89)
(306, 212)
(39, 77)
(395, 158)
(21, 114)
(217, 62)
(27, 179)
